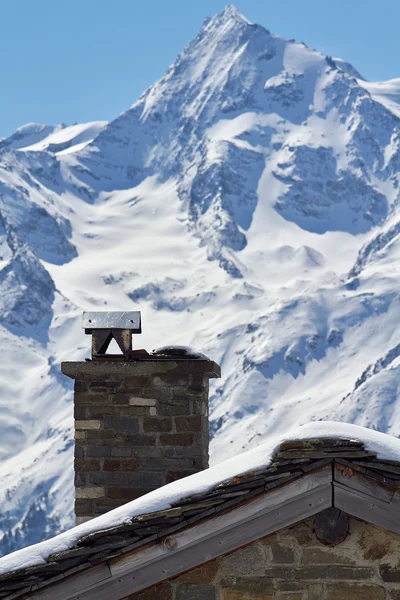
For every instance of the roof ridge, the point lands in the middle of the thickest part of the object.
(292, 459)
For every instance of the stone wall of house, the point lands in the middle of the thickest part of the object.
(138, 426)
(293, 565)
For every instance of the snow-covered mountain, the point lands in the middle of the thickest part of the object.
(248, 204)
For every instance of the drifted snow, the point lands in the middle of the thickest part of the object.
(181, 350)
(248, 205)
(385, 92)
(385, 446)
(65, 140)
(61, 139)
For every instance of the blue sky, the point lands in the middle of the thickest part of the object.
(81, 60)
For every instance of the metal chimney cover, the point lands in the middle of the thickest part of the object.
(113, 320)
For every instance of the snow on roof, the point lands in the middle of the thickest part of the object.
(183, 351)
(385, 446)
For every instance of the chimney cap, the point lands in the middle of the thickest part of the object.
(113, 320)
(101, 369)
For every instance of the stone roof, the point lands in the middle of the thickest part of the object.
(293, 460)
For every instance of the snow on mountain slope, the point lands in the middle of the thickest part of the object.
(62, 138)
(385, 92)
(65, 139)
(31, 133)
(248, 204)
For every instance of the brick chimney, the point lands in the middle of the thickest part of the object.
(141, 421)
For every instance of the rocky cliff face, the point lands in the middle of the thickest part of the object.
(248, 204)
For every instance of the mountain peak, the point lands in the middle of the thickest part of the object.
(230, 17)
(231, 12)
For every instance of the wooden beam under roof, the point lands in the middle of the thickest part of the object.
(365, 498)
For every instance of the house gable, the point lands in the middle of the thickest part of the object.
(293, 565)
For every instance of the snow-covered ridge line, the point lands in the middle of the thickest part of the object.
(61, 139)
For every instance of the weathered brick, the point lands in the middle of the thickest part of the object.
(80, 479)
(87, 424)
(136, 401)
(128, 464)
(389, 573)
(79, 451)
(325, 556)
(199, 407)
(134, 411)
(103, 437)
(153, 479)
(148, 451)
(178, 451)
(180, 392)
(355, 592)
(177, 439)
(282, 555)
(80, 386)
(315, 591)
(304, 534)
(201, 438)
(101, 434)
(126, 494)
(105, 383)
(166, 463)
(158, 393)
(173, 410)
(197, 385)
(154, 424)
(268, 541)
(195, 591)
(321, 572)
(98, 411)
(90, 492)
(247, 561)
(104, 505)
(200, 462)
(195, 423)
(94, 451)
(101, 390)
(119, 399)
(291, 586)
(121, 451)
(138, 381)
(86, 465)
(83, 506)
(159, 592)
(203, 574)
(85, 398)
(377, 547)
(80, 412)
(121, 424)
(140, 439)
(233, 594)
(247, 588)
(178, 378)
